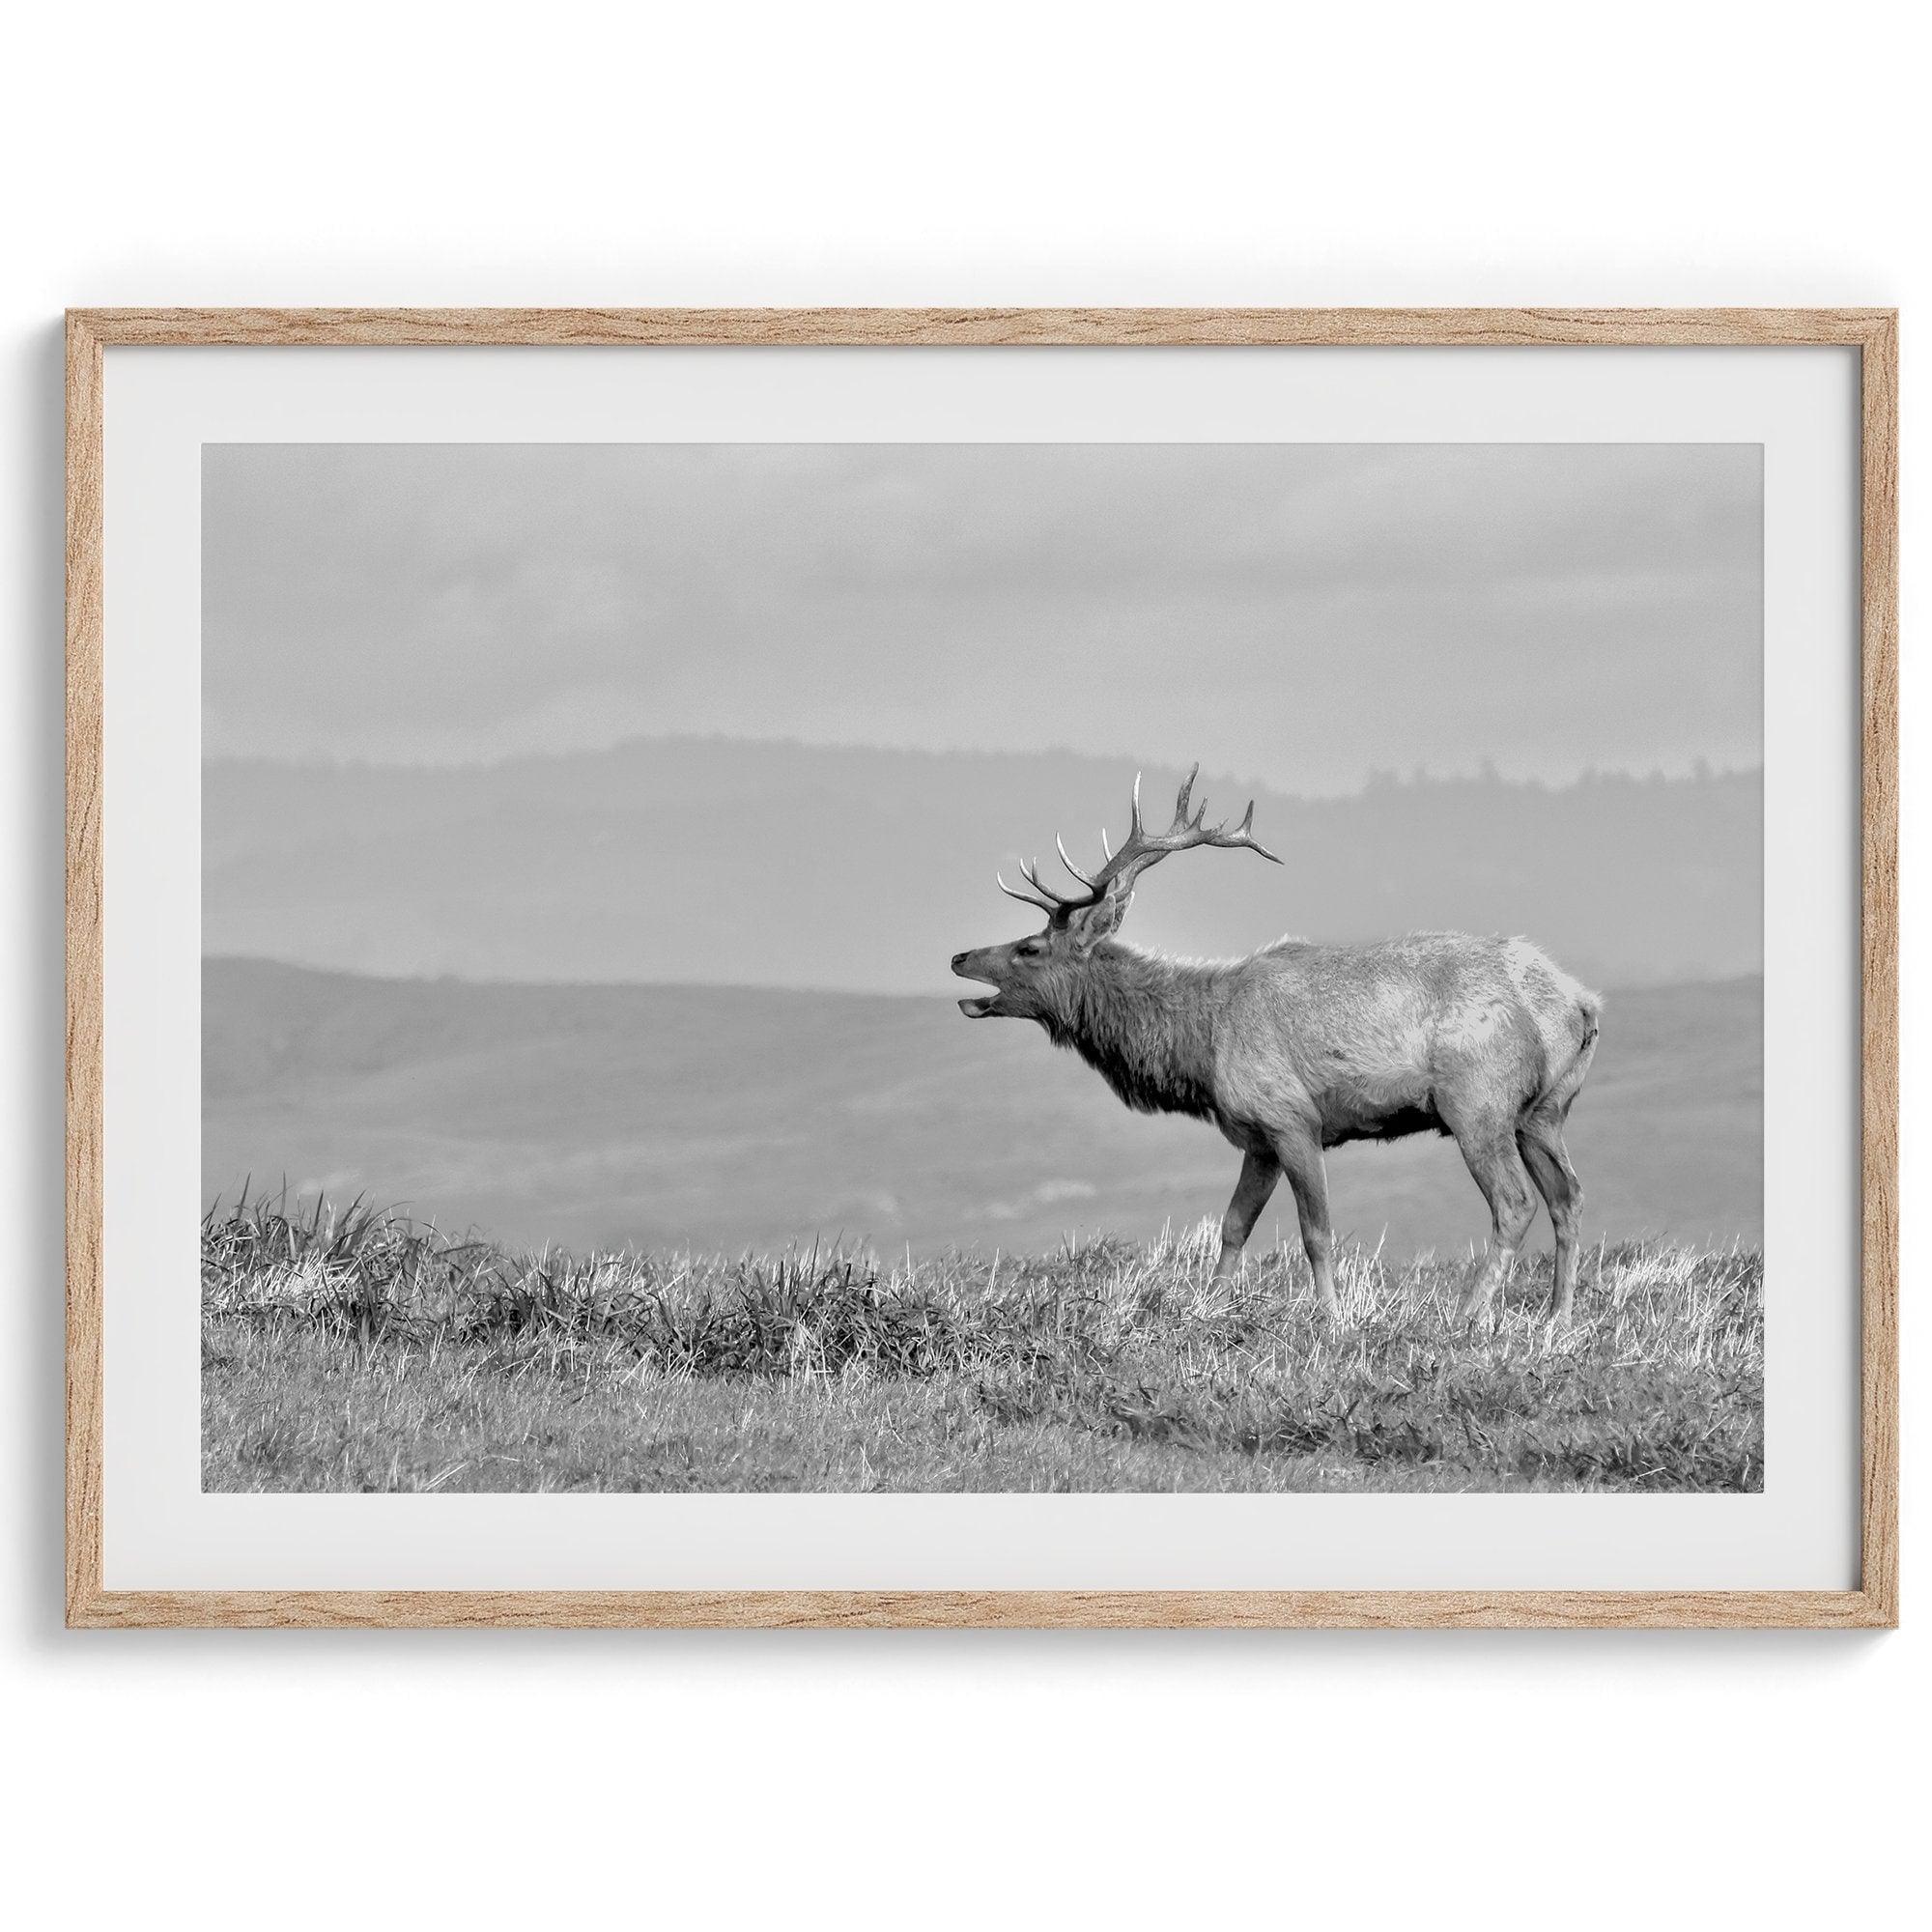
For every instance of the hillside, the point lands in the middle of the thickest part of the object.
(773, 865)
(742, 1117)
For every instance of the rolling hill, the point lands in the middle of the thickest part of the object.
(723, 862)
(733, 1117)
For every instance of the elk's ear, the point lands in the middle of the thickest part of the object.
(1092, 923)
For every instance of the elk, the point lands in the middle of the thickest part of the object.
(1300, 1047)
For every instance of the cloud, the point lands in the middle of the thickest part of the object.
(1303, 612)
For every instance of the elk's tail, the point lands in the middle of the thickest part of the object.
(1567, 1081)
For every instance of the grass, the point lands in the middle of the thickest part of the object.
(359, 1350)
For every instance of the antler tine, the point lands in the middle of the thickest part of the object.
(1029, 873)
(1025, 898)
(1071, 866)
(1180, 803)
(1242, 837)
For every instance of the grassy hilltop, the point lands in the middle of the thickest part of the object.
(361, 1351)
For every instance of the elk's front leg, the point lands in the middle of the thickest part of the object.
(1258, 1174)
(1301, 1161)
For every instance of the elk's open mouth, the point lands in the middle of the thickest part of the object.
(981, 1004)
(964, 965)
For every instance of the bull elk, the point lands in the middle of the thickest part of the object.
(1301, 1047)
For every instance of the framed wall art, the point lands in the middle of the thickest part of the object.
(995, 967)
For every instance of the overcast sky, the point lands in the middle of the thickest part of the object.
(1302, 614)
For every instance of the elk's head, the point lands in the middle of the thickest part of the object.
(1029, 976)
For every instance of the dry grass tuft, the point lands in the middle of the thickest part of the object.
(361, 1350)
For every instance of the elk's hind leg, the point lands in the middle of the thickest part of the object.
(1258, 1176)
(1540, 1141)
(1490, 1151)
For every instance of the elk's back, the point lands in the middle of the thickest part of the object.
(1397, 1037)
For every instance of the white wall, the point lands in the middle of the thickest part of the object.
(1389, 153)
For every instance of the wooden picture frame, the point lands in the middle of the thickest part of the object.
(1871, 332)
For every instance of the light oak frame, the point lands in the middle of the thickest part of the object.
(1872, 333)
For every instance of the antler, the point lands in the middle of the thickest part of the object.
(1141, 849)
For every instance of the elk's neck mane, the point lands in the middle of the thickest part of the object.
(1145, 1023)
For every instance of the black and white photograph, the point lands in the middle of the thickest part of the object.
(962, 968)
(998, 967)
